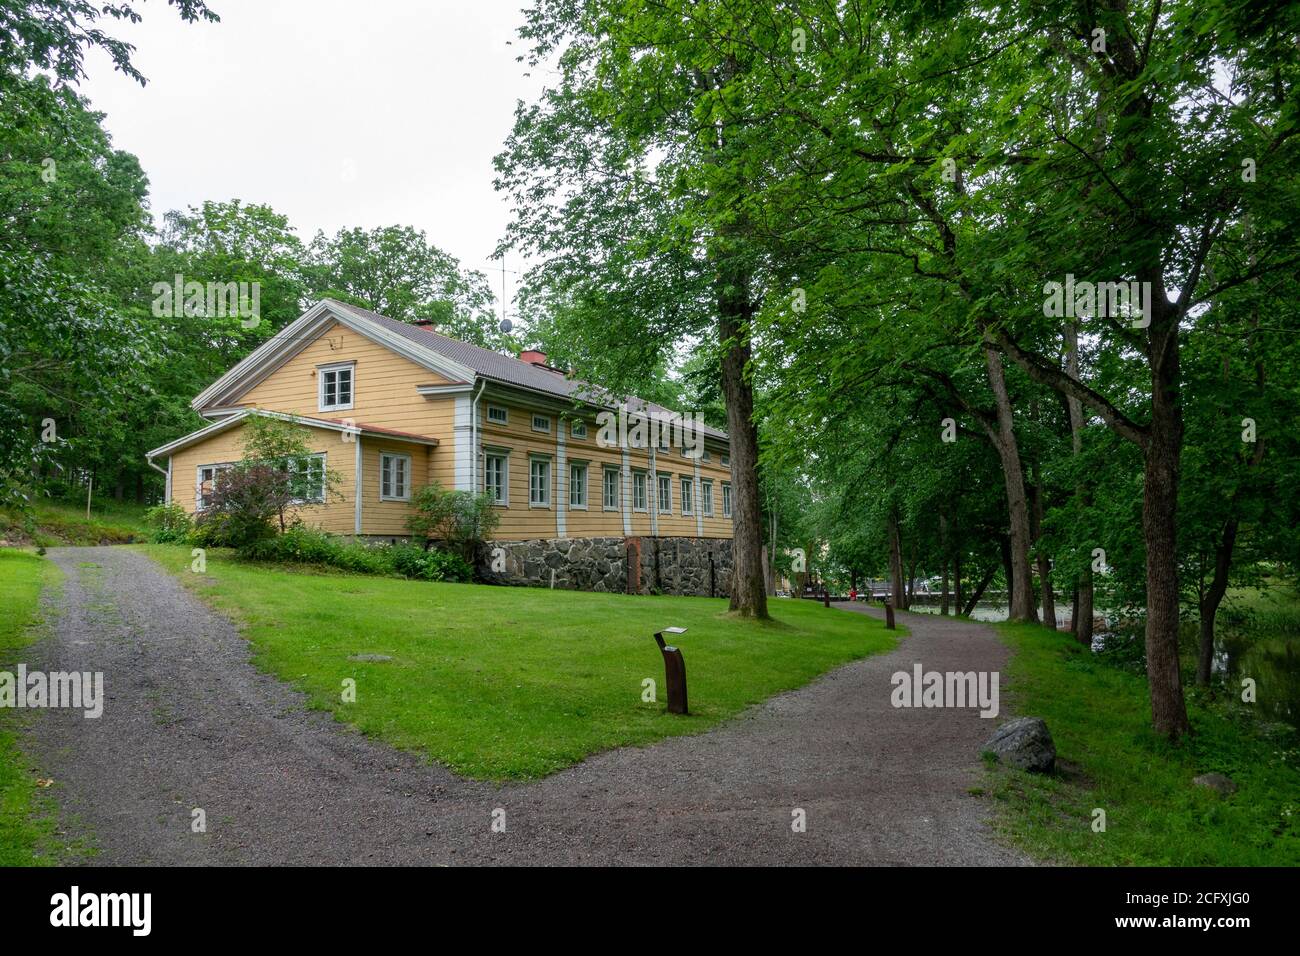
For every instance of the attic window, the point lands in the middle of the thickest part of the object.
(497, 415)
(541, 423)
(336, 386)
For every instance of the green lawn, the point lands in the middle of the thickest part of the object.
(49, 523)
(26, 821)
(1099, 716)
(504, 683)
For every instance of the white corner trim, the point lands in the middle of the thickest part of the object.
(561, 485)
(357, 484)
(699, 502)
(625, 500)
(463, 433)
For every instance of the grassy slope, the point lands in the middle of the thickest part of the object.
(515, 682)
(1099, 716)
(25, 823)
(54, 523)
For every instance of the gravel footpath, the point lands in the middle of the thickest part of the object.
(190, 723)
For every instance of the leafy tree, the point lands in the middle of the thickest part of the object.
(397, 272)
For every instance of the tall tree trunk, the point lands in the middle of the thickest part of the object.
(1209, 603)
(895, 560)
(748, 591)
(1081, 625)
(979, 589)
(1044, 563)
(1160, 518)
(943, 557)
(1022, 597)
(957, 587)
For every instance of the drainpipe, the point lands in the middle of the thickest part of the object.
(473, 437)
(166, 473)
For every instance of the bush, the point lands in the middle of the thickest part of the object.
(413, 562)
(461, 519)
(172, 524)
(301, 545)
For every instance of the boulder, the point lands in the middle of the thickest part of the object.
(1217, 782)
(1025, 743)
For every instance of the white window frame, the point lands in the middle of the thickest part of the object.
(579, 485)
(504, 456)
(660, 479)
(550, 477)
(726, 499)
(505, 415)
(577, 429)
(607, 472)
(724, 461)
(544, 418)
(688, 495)
(385, 457)
(324, 370)
(217, 468)
(323, 469)
(706, 497)
(644, 507)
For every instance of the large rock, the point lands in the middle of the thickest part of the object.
(1025, 743)
(1217, 782)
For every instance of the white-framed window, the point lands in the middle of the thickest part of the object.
(578, 484)
(704, 456)
(578, 429)
(724, 461)
(609, 497)
(688, 496)
(726, 499)
(337, 384)
(308, 479)
(665, 500)
(706, 497)
(539, 482)
(498, 415)
(496, 476)
(394, 477)
(542, 423)
(639, 502)
(205, 484)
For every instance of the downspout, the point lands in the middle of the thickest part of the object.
(166, 473)
(473, 437)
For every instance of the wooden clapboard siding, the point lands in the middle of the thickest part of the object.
(379, 517)
(337, 514)
(384, 386)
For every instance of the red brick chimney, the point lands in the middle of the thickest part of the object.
(533, 357)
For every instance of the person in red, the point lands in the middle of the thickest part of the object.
(853, 594)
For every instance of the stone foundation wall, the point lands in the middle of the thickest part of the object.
(682, 566)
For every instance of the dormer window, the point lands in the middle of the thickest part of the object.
(336, 386)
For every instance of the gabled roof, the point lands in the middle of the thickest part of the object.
(459, 362)
(329, 424)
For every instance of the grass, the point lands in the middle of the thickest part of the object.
(515, 683)
(1099, 715)
(26, 813)
(50, 523)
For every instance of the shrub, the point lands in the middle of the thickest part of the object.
(432, 565)
(172, 524)
(462, 519)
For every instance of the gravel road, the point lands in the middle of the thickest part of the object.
(190, 723)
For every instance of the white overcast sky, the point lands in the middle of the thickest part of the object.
(333, 112)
